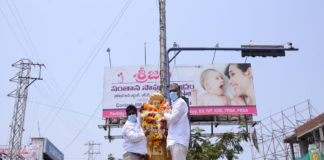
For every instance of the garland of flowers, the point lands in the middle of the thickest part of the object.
(155, 123)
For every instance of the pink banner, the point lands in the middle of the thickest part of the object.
(194, 111)
(113, 113)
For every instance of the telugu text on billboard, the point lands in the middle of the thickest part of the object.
(221, 89)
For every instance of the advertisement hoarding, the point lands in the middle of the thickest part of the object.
(29, 152)
(221, 89)
(52, 151)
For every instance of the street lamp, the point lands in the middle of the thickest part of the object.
(263, 50)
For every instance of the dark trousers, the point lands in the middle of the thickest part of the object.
(134, 156)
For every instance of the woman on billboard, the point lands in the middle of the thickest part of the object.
(241, 79)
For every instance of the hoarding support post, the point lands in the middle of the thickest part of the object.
(212, 128)
(145, 53)
(109, 136)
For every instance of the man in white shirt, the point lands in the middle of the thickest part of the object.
(179, 129)
(134, 137)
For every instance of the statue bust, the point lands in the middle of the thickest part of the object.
(156, 100)
(155, 122)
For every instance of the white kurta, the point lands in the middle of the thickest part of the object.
(134, 138)
(179, 129)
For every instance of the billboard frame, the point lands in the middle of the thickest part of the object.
(211, 120)
(266, 48)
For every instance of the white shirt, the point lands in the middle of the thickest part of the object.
(134, 138)
(179, 129)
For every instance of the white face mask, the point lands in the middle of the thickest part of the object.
(173, 96)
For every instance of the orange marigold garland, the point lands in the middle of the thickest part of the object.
(155, 123)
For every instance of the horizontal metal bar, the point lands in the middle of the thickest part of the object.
(228, 49)
(114, 137)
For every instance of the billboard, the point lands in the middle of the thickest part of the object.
(221, 89)
(29, 152)
(52, 151)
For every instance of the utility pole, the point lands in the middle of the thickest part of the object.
(91, 151)
(163, 55)
(24, 79)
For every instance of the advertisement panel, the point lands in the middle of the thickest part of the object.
(222, 89)
(52, 151)
(314, 152)
(29, 152)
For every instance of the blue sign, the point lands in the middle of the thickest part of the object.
(52, 151)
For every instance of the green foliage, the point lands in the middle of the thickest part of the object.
(225, 146)
(111, 157)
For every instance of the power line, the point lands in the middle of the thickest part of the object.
(100, 44)
(22, 27)
(14, 32)
(85, 125)
(95, 52)
(64, 109)
(30, 44)
(103, 39)
(28, 40)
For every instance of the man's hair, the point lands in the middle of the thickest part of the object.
(130, 108)
(177, 86)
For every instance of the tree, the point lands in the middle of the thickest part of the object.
(225, 146)
(111, 157)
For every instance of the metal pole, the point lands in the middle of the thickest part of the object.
(216, 46)
(22, 78)
(145, 53)
(309, 109)
(284, 134)
(91, 150)
(108, 50)
(292, 150)
(163, 55)
(38, 129)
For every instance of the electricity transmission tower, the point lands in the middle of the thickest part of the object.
(91, 151)
(24, 79)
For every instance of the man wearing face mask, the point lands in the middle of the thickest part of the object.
(134, 137)
(179, 129)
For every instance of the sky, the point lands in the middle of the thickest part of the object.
(71, 39)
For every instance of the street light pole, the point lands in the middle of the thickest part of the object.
(245, 50)
(108, 50)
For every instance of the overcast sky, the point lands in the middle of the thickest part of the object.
(71, 38)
